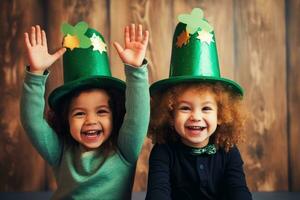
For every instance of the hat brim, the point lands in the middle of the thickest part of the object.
(164, 84)
(93, 81)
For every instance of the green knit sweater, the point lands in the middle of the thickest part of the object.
(79, 174)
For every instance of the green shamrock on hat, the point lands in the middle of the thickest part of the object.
(194, 21)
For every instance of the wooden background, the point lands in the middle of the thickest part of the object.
(259, 46)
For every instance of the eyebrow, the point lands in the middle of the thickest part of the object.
(98, 107)
(187, 102)
(203, 103)
(208, 102)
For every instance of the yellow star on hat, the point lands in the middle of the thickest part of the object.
(71, 42)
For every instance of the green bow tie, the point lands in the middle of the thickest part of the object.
(209, 149)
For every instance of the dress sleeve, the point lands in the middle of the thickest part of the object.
(159, 182)
(32, 105)
(135, 125)
(235, 177)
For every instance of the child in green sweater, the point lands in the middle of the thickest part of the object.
(88, 140)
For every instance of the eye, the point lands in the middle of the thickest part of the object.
(207, 108)
(184, 108)
(103, 111)
(79, 114)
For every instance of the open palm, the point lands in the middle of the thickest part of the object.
(135, 45)
(37, 50)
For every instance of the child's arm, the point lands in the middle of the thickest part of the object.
(235, 177)
(32, 104)
(136, 120)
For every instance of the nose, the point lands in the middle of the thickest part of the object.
(91, 119)
(196, 116)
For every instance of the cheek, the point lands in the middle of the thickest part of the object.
(214, 120)
(180, 116)
(75, 125)
(179, 120)
(107, 122)
(73, 130)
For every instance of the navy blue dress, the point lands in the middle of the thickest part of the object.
(174, 173)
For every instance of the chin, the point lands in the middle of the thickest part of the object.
(91, 147)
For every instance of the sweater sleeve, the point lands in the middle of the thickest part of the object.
(135, 125)
(32, 105)
(235, 177)
(159, 182)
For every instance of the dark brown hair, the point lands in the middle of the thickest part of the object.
(58, 117)
(231, 114)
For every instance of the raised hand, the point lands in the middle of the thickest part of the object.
(37, 50)
(136, 42)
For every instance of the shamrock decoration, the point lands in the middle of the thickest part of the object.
(74, 35)
(195, 20)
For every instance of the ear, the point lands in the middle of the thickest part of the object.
(219, 122)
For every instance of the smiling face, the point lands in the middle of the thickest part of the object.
(90, 118)
(195, 117)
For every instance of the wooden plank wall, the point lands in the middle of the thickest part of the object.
(21, 168)
(293, 89)
(259, 46)
(261, 69)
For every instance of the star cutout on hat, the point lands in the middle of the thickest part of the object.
(182, 39)
(205, 36)
(71, 42)
(98, 44)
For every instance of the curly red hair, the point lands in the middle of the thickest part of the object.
(231, 114)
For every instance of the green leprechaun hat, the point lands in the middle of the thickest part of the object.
(194, 55)
(85, 63)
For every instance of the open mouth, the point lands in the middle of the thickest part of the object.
(92, 133)
(196, 128)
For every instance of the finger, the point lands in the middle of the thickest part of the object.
(146, 37)
(119, 48)
(139, 33)
(132, 33)
(44, 39)
(59, 53)
(32, 36)
(126, 36)
(38, 35)
(27, 41)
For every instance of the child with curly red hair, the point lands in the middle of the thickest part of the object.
(197, 118)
